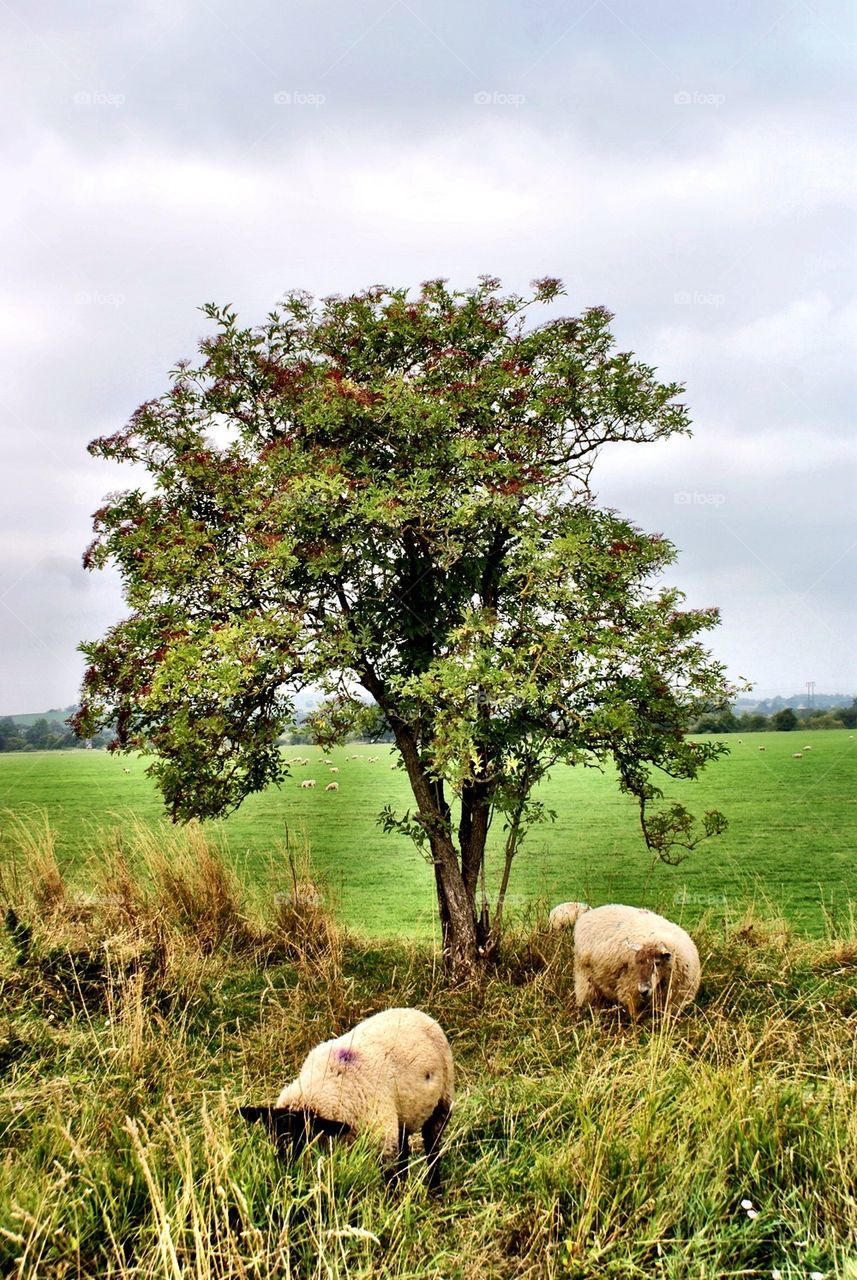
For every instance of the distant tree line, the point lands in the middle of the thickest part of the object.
(43, 735)
(55, 735)
(321, 725)
(725, 720)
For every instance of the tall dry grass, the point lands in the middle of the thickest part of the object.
(143, 1000)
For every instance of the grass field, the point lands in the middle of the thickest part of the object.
(133, 1023)
(792, 836)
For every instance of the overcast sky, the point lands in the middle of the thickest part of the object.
(690, 167)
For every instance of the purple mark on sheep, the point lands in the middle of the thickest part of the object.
(346, 1055)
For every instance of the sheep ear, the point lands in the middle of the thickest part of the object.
(665, 955)
(281, 1124)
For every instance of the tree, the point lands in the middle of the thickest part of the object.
(785, 720)
(11, 738)
(39, 734)
(751, 722)
(391, 493)
(848, 715)
(722, 721)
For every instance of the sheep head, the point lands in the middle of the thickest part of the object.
(651, 964)
(290, 1130)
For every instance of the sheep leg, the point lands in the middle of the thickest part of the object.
(432, 1133)
(585, 990)
(396, 1169)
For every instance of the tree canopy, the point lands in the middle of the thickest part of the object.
(389, 494)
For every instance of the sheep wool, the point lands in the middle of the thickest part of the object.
(635, 958)
(390, 1076)
(565, 914)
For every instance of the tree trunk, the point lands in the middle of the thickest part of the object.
(456, 906)
(458, 922)
(443, 907)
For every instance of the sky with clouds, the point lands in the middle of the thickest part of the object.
(690, 167)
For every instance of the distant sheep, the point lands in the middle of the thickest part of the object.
(372, 759)
(761, 748)
(389, 1076)
(307, 782)
(126, 770)
(333, 769)
(797, 755)
(565, 914)
(332, 786)
(634, 958)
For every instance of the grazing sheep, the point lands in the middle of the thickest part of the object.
(564, 915)
(797, 755)
(635, 958)
(333, 769)
(332, 786)
(807, 748)
(761, 748)
(126, 770)
(308, 782)
(389, 1076)
(372, 759)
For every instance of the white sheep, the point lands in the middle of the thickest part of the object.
(389, 1076)
(797, 755)
(332, 786)
(333, 769)
(307, 782)
(635, 958)
(564, 915)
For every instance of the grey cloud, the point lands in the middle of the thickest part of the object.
(718, 231)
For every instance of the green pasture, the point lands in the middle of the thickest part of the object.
(792, 837)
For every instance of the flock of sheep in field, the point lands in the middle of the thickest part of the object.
(302, 762)
(392, 1075)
